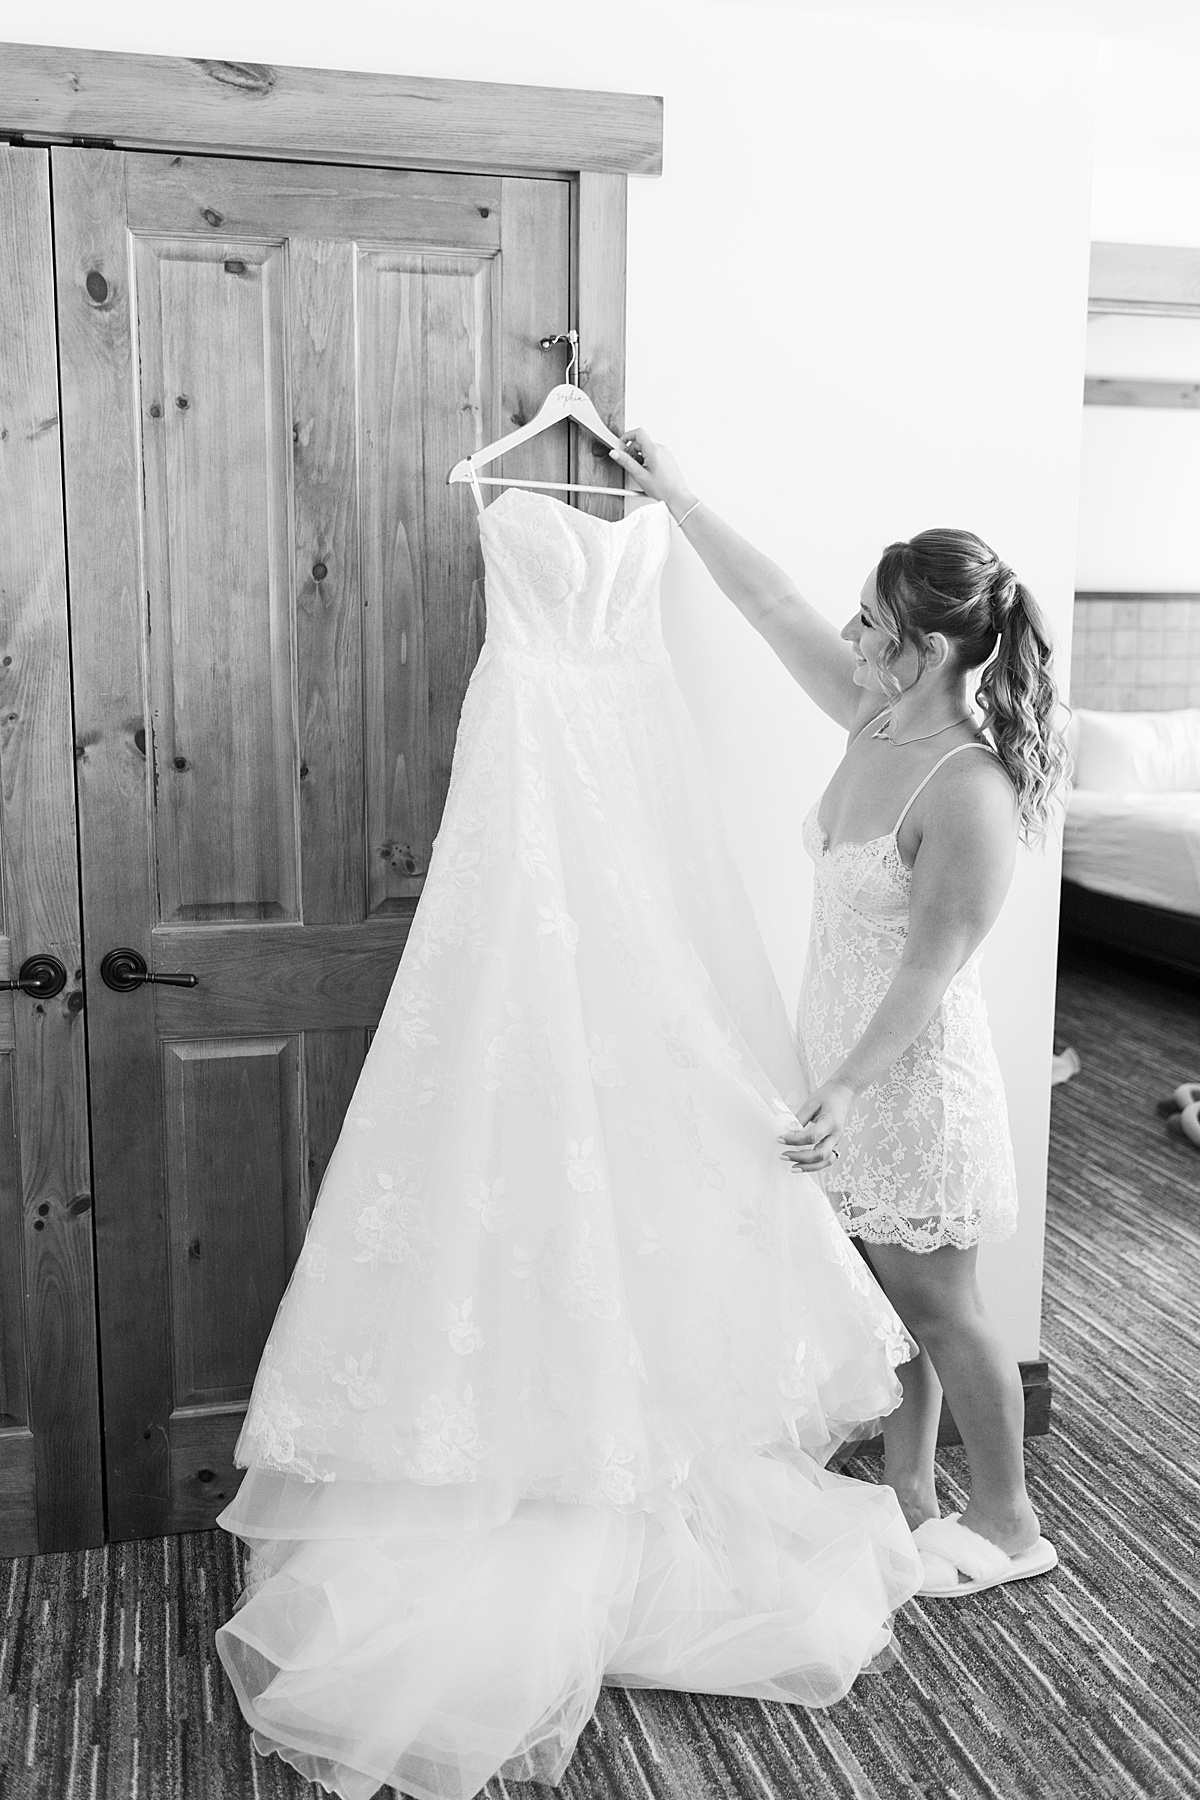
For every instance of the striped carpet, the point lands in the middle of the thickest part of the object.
(1083, 1684)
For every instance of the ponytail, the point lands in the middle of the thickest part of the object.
(1019, 698)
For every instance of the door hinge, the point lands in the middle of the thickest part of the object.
(35, 140)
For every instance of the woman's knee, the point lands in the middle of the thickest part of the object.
(926, 1312)
(934, 1294)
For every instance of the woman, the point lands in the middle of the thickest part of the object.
(914, 846)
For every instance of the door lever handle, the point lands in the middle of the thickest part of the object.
(40, 976)
(123, 970)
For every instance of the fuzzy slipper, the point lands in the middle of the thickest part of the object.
(939, 1575)
(946, 1547)
(1185, 1095)
(1186, 1124)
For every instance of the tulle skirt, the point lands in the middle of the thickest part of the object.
(391, 1635)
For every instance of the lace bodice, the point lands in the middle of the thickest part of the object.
(926, 1159)
(564, 584)
(871, 877)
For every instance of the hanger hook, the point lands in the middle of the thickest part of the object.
(565, 337)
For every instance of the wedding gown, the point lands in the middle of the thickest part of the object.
(548, 1397)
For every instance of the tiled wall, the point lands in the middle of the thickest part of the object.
(1136, 652)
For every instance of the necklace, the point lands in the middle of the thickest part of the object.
(887, 737)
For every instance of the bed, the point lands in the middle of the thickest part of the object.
(1131, 840)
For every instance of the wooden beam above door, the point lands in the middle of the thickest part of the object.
(324, 115)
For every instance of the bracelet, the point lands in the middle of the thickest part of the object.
(687, 515)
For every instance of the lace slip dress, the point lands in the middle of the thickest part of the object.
(926, 1157)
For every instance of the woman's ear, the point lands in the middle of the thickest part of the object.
(937, 650)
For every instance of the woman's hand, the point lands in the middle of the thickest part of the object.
(654, 469)
(822, 1121)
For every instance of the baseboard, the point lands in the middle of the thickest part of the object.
(1035, 1379)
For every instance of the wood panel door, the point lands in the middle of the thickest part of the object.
(276, 601)
(50, 1485)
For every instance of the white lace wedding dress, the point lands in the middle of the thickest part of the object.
(547, 1399)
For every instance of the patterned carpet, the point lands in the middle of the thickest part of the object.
(1081, 1685)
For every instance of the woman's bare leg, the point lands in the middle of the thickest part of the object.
(938, 1297)
(910, 1439)
(910, 1433)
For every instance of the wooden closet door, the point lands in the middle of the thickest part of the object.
(267, 371)
(50, 1484)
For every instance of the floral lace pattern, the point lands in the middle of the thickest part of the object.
(926, 1158)
(555, 1252)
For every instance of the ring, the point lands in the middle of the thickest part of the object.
(835, 1153)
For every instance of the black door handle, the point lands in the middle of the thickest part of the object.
(40, 976)
(124, 970)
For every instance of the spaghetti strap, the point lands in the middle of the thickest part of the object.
(917, 791)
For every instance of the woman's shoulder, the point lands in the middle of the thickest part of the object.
(972, 778)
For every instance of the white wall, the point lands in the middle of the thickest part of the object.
(856, 308)
(1139, 523)
(1147, 171)
(1139, 490)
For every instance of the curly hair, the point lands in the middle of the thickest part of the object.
(953, 583)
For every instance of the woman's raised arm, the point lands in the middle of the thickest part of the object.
(807, 645)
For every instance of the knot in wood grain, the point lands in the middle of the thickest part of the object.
(255, 80)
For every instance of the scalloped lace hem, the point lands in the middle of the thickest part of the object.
(880, 1225)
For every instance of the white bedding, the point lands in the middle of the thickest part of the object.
(1139, 846)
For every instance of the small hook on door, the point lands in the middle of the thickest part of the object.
(565, 337)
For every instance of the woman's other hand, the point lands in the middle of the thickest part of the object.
(654, 469)
(822, 1121)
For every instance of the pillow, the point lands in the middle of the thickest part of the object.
(1139, 752)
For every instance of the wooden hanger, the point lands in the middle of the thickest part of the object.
(566, 401)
